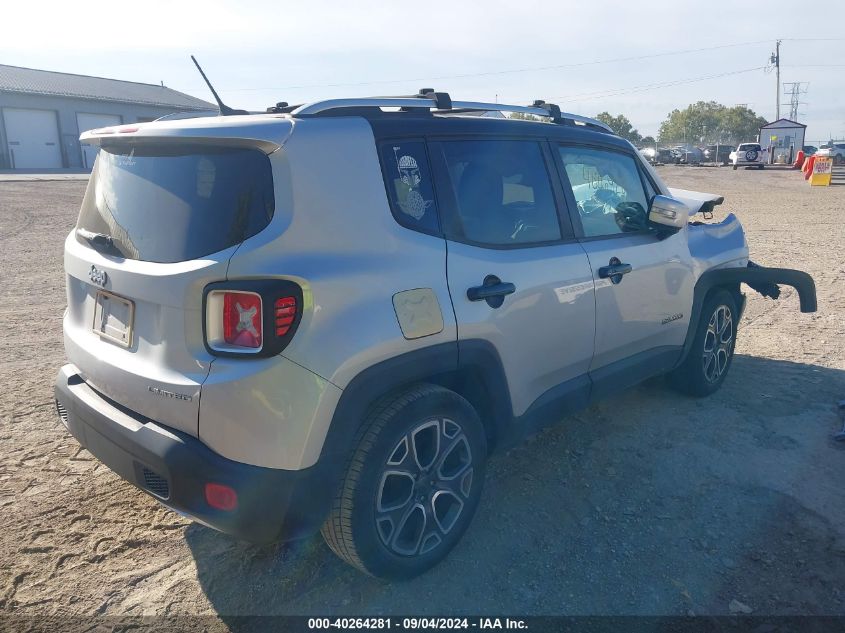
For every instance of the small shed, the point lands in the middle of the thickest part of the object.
(784, 138)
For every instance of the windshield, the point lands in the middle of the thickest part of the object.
(170, 203)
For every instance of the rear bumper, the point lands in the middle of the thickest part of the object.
(173, 467)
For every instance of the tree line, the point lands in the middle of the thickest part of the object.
(705, 122)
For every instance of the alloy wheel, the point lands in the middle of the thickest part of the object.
(718, 344)
(424, 486)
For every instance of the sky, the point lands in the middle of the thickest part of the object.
(639, 58)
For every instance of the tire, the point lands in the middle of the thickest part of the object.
(412, 484)
(703, 371)
(839, 159)
(735, 166)
(761, 167)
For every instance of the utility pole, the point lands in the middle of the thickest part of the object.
(775, 59)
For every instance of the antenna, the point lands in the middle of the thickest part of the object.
(224, 109)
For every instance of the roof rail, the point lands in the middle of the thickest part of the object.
(441, 103)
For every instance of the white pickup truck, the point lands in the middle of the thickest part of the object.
(749, 155)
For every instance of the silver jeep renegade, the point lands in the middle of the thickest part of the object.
(328, 316)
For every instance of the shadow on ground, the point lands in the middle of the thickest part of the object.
(649, 503)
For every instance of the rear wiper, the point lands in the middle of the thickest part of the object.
(100, 241)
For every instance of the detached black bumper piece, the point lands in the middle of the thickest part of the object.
(763, 280)
(173, 467)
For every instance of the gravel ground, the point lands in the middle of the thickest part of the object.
(648, 503)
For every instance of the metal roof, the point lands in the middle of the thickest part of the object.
(790, 122)
(45, 82)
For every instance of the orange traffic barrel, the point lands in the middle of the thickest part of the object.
(808, 166)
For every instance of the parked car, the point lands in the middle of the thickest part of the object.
(657, 156)
(835, 150)
(265, 333)
(718, 154)
(688, 155)
(809, 150)
(650, 154)
(749, 155)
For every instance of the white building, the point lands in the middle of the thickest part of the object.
(42, 114)
(784, 138)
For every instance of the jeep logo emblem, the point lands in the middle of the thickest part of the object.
(98, 277)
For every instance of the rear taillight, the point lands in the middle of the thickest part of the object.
(285, 314)
(242, 322)
(256, 317)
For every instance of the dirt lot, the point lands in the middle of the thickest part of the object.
(649, 503)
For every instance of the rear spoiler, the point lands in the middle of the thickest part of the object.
(265, 133)
(697, 201)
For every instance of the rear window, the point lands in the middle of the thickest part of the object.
(172, 203)
(749, 147)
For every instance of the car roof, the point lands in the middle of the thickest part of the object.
(405, 124)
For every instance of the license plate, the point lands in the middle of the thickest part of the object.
(113, 318)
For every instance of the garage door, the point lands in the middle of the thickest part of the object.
(91, 122)
(33, 138)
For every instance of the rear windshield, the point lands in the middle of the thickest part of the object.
(749, 147)
(172, 203)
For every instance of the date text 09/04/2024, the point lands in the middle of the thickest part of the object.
(416, 623)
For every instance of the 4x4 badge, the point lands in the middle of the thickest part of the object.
(99, 277)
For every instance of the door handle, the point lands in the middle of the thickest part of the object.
(614, 270)
(493, 291)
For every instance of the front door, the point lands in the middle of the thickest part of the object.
(644, 284)
(517, 277)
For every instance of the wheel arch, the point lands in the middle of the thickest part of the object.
(760, 278)
(472, 369)
(708, 283)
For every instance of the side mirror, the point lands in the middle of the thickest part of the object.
(667, 213)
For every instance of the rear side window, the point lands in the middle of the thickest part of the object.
(172, 203)
(503, 192)
(408, 180)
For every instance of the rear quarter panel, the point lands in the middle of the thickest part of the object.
(333, 233)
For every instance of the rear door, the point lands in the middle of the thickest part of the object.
(159, 221)
(643, 283)
(517, 277)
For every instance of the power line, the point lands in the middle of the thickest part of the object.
(813, 66)
(813, 39)
(587, 96)
(502, 72)
(530, 68)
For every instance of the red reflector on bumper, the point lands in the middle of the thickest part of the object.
(221, 497)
